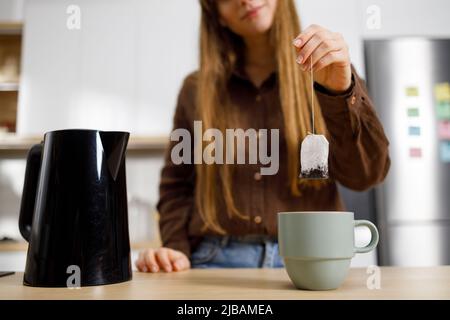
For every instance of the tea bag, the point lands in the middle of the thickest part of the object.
(314, 149)
(314, 157)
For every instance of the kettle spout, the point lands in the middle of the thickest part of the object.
(114, 147)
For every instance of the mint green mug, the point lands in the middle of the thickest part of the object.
(317, 246)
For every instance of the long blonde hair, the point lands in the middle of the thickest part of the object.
(219, 51)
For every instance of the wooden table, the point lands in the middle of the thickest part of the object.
(396, 283)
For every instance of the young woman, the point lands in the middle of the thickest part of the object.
(254, 73)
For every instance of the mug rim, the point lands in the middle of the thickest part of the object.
(314, 212)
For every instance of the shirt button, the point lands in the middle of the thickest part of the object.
(258, 98)
(353, 100)
(257, 176)
(257, 219)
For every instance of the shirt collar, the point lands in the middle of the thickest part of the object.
(239, 72)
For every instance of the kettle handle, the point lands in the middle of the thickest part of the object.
(33, 168)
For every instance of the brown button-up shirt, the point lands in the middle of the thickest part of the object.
(358, 160)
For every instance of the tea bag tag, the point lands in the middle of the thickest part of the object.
(314, 157)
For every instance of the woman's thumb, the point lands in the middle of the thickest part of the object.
(181, 264)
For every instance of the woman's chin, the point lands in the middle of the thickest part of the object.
(256, 28)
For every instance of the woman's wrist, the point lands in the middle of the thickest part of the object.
(331, 92)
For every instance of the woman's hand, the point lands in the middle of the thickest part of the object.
(330, 57)
(153, 260)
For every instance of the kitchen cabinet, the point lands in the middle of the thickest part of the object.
(11, 10)
(10, 55)
(121, 70)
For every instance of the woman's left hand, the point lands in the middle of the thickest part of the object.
(330, 57)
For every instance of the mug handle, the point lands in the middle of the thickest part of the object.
(374, 236)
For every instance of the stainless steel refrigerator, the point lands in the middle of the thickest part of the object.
(409, 82)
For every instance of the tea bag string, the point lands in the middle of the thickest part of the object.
(312, 97)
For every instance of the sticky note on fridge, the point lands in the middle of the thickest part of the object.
(442, 92)
(413, 112)
(445, 151)
(415, 152)
(443, 110)
(414, 131)
(412, 91)
(444, 129)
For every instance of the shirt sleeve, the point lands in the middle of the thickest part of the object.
(359, 156)
(176, 189)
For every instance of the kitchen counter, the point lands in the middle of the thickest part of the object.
(11, 144)
(22, 246)
(396, 283)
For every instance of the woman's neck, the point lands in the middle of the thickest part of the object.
(260, 59)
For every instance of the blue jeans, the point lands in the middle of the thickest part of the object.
(253, 251)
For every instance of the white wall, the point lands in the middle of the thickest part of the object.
(11, 10)
(338, 16)
(428, 18)
(120, 71)
(123, 69)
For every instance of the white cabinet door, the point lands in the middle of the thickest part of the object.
(11, 10)
(121, 70)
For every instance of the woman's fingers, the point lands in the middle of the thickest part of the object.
(146, 261)
(179, 260)
(140, 263)
(330, 58)
(307, 50)
(181, 264)
(322, 50)
(307, 34)
(150, 260)
(316, 44)
(162, 257)
(319, 45)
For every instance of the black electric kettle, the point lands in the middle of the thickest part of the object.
(74, 209)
